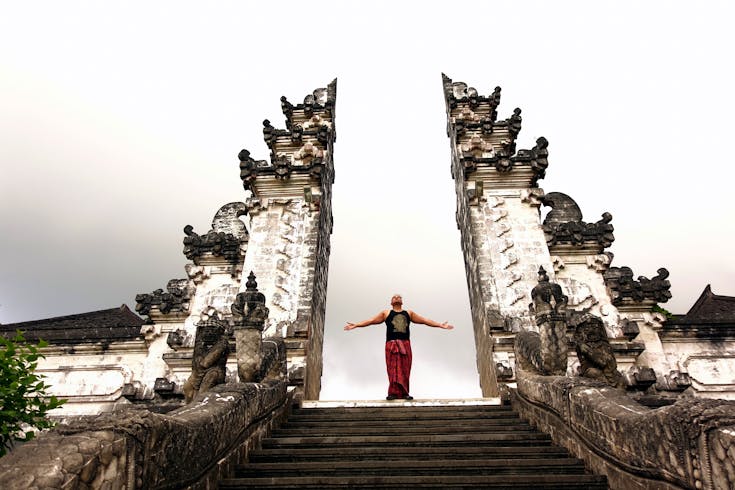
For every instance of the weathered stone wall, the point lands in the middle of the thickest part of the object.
(480, 285)
(685, 445)
(136, 449)
(315, 292)
(90, 376)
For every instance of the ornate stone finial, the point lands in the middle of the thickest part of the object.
(251, 284)
(548, 298)
(596, 356)
(225, 238)
(624, 288)
(208, 364)
(175, 299)
(564, 225)
(249, 308)
(515, 122)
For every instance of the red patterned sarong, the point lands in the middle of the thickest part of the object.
(398, 359)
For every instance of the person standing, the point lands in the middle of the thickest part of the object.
(398, 356)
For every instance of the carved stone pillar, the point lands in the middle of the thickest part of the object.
(249, 314)
(549, 307)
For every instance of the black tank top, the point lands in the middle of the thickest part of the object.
(398, 326)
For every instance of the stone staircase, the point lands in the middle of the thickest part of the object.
(406, 446)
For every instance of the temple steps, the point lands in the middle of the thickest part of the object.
(405, 446)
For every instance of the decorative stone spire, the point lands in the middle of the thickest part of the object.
(249, 313)
(549, 307)
(481, 141)
(301, 153)
(249, 310)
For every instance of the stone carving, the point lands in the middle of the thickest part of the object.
(249, 307)
(225, 238)
(467, 110)
(219, 244)
(549, 308)
(684, 445)
(563, 208)
(176, 338)
(514, 123)
(208, 364)
(675, 381)
(564, 225)
(640, 377)
(595, 354)
(249, 313)
(318, 108)
(273, 360)
(175, 299)
(503, 372)
(249, 168)
(630, 329)
(622, 286)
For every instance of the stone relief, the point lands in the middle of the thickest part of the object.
(622, 286)
(596, 356)
(549, 309)
(564, 225)
(208, 364)
(175, 299)
(225, 239)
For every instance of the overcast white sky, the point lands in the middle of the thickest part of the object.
(120, 124)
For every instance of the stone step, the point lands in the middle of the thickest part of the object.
(403, 412)
(415, 467)
(410, 447)
(395, 430)
(514, 482)
(488, 438)
(436, 419)
(379, 453)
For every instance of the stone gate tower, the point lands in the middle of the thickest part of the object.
(290, 226)
(498, 217)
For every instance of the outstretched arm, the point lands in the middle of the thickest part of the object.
(416, 318)
(379, 318)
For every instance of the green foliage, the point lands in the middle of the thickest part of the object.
(24, 403)
(663, 311)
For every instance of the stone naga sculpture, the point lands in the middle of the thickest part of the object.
(596, 356)
(546, 351)
(256, 359)
(208, 364)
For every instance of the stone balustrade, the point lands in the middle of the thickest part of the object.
(690, 444)
(189, 447)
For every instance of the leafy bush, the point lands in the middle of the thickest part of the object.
(24, 403)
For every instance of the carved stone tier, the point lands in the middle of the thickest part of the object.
(301, 155)
(479, 141)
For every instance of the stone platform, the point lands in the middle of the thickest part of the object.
(417, 402)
